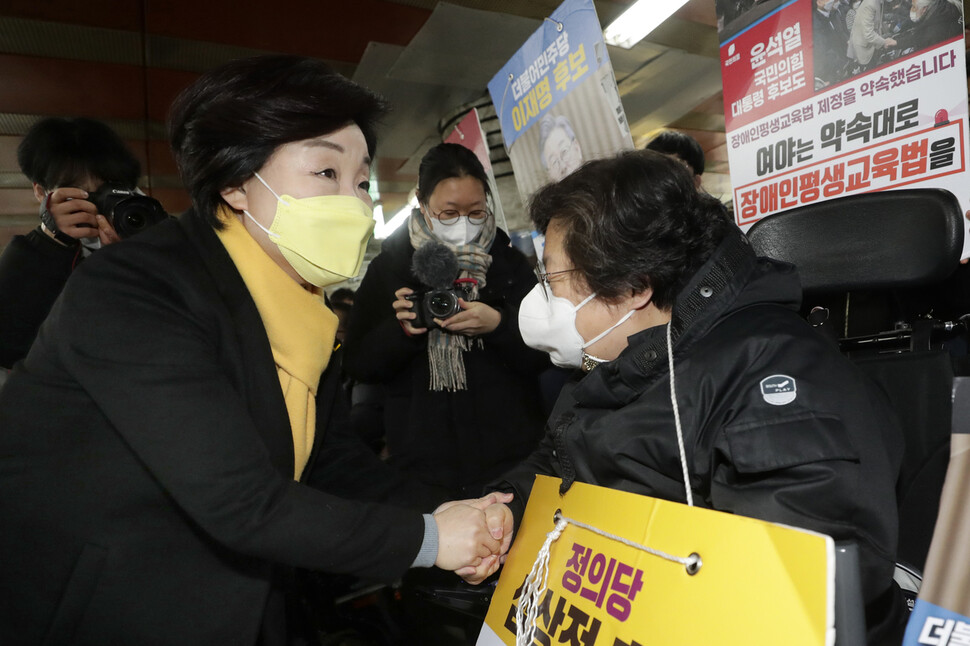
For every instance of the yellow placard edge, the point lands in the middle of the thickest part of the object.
(829, 579)
(830, 628)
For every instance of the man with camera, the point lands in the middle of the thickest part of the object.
(84, 178)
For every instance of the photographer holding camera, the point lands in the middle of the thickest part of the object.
(84, 178)
(436, 322)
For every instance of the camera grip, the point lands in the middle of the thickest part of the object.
(417, 298)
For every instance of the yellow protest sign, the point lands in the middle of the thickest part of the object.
(756, 583)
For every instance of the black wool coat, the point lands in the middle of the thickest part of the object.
(33, 271)
(146, 462)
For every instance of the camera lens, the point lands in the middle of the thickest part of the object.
(136, 214)
(442, 304)
(134, 220)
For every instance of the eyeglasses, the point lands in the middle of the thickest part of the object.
(450, 216)
(543, 276)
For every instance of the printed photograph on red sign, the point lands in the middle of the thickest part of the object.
(824, 98)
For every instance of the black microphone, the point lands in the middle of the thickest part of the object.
(435, 265)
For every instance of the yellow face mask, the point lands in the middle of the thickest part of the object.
(323, 238)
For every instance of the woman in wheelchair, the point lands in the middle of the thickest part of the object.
(638, 266)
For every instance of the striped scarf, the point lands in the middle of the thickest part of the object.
(445, 349)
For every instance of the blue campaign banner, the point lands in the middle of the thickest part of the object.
(560, 54)
(929, 624)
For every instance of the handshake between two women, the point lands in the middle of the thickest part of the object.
(474, 535)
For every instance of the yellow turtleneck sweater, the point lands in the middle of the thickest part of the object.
(299, 326)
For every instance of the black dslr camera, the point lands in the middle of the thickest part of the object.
(439, 303)
(128, 211)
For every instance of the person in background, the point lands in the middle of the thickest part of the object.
(65, 160)
(934, 21)
(461, 394)
(865, 37)
(682, 147)
(342, 295)
(342, 310)
(640, 273)
(173, 446)
(366, 401)
(830, 38)
(341, 301)
(559, 149)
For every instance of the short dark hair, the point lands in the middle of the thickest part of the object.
(342, 295)
(64, 152)
(445, 161)
(226, 125)
(340, 306)
(632, 222)
(681, 145)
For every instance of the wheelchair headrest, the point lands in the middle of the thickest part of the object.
(901, 238)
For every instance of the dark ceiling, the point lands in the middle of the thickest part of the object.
(123, 61)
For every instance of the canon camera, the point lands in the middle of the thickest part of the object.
(127, 210)
(439, 303)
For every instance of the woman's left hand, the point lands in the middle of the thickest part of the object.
(475, 319)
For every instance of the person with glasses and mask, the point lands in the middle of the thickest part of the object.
(462, 400)
(700, 381)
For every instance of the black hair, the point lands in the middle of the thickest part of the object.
(340, 306)
(342, 295)
(680, 145)
(445, 161)
(226, 125)
(632, 222)
(65, 152)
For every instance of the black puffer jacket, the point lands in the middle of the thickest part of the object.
(777, 425)
(457, 440)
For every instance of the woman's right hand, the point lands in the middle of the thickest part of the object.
(76, 217)
(403, 310)
(464, 536)
(73, 215)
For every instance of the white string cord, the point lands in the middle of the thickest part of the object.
(534, 587)
(686, 561)
(559, 25)
(680, 430)
(508, 82)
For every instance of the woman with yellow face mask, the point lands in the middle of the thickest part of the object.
(172, 444)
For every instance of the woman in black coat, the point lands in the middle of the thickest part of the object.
(169, 448)
(462, 399)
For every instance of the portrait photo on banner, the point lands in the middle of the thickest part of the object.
(581, 127)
